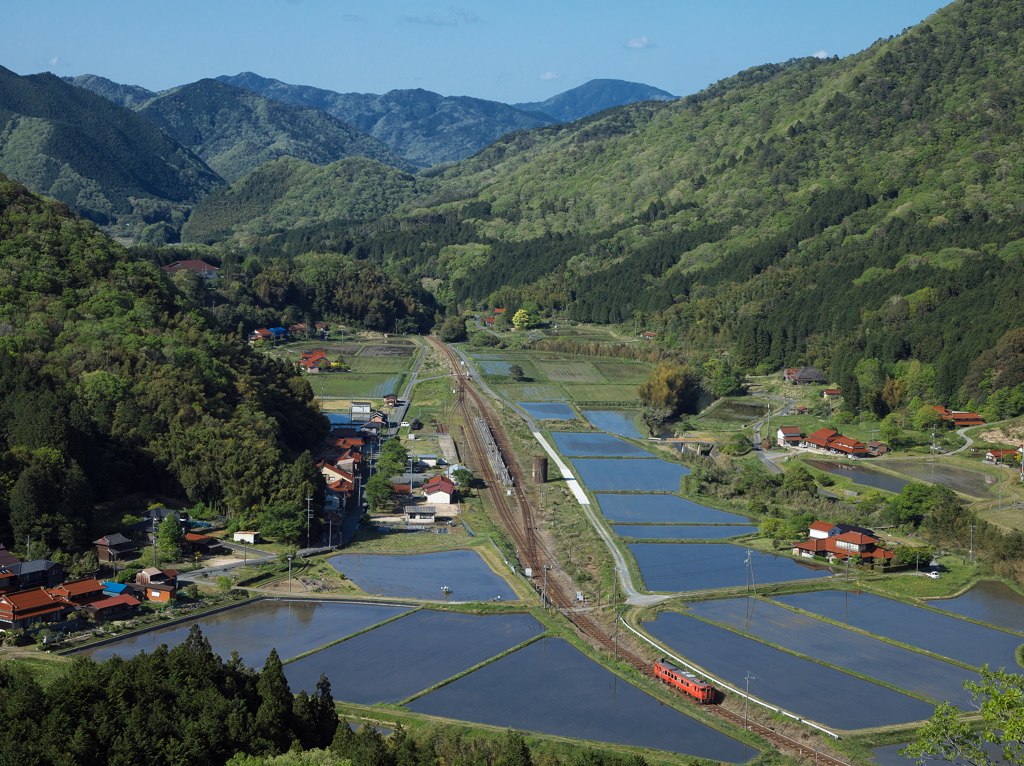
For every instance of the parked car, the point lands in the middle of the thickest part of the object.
(933, 575)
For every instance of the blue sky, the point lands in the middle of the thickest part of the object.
(523, 50)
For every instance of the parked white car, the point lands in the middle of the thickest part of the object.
(933, 575)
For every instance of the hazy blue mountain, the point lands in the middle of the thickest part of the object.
(102, 160)
(132, 96)
(236, 130)
(423, 127)
(593, 97)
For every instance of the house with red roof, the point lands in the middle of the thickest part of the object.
(826, 542)
(439, 490)
(958, 418)
(313, 361)
(83, 591)
(835, 443)
(113, 608)
(31, 607)
(831, 393)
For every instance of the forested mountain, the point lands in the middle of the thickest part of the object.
(289, 194)
(132, 96)
(113, 381)
(235, 130)
(423, 127)
(102, 160)
(856, 214)
(593, 97)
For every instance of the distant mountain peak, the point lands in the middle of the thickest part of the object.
(593, 97)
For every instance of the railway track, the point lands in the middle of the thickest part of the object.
(519, 523)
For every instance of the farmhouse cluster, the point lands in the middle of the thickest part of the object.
(842, 542)
(828, 441)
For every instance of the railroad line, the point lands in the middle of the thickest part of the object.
(523, 534)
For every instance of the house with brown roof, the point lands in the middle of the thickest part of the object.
(31, 607)
(80, 592)
(835, 443)
(789, 436)
(152, 575)
(202, 544)
(803, 375)
(202, 268)
(839, 542)
(391, 400)
(6, 557)
(160, 592)
(113, 608)
(114, 547)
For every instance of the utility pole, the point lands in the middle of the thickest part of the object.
(615, 609)
(746, 701)
(309, 515)
(972, 532)
(290, 573)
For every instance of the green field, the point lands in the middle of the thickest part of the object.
(531, 392)
(379, 364)
(571, 372)
(596, 393)
(634, 373)
(355, 384)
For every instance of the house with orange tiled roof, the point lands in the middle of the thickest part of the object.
(80, 591)
(31, 607)
(439, 490)
(958, 418)
(839, 542)
(835, 443)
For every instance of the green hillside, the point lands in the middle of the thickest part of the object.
(817, 211)
(102, 160)
(235, 130)
(132, 96)
(112, 383)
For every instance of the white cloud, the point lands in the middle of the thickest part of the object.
(643, 41)
(550, 76)
(55, 61)
(822, 54)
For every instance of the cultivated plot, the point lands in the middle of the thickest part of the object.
(988, 601)
(425, 576)
(633, 373)
(291, 627)
(662, 509)
(894, 665)
(355, 384)
(610, 392)
(406, 656)
(701, 566)
(571, 372)
(681, 532)
(548, 410)
(825, 695)
(552, 688)
(391, 349)
(609, 475)
(942, 634)
(377, 364)
(615, 421)
(596, 445)
(531, 392)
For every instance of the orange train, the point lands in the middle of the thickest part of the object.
(669, 673)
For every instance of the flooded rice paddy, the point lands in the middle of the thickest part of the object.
(822, 694)
(860, 474)
(681, 532)
(292, 627)
(988, 601)
(551, 687)
(596, 445)
(406, 656)
(701, 566)
(965, 480)
(812, 637)
(548, 410)
(423, 575)
(942, 634)
(615, 421)
(610, 475)
(662, 509)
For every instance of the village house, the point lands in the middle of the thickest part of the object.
(313, 362)
(439, 490)
(115, 547)
(39, 573)
(649, 335)
(831, 393)
(31, 607)
(834, 443)
(839, 542)
(80, 592)
(995, 456)
(876, 447)
(391, 400)
(204, 545)
(113, 608)
(789, 436)
(202, 268)
(6, 557)
(420, 514)
(959, 419)
(803, 375)
(249, 538)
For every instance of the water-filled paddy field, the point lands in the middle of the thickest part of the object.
(423, 575)
(596, 445)
(551, 687)
(859, 474)
(406, 656)
(701, 566)
(818, 693)
(812, 637)
(988, 601)
(292, 627)
(733, 411)
(615, 421)
(548, 410)
(942, 634)
(681, 532)
(965, 480)
(611, 475)
(662, 509)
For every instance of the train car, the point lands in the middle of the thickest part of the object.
(669, 673)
